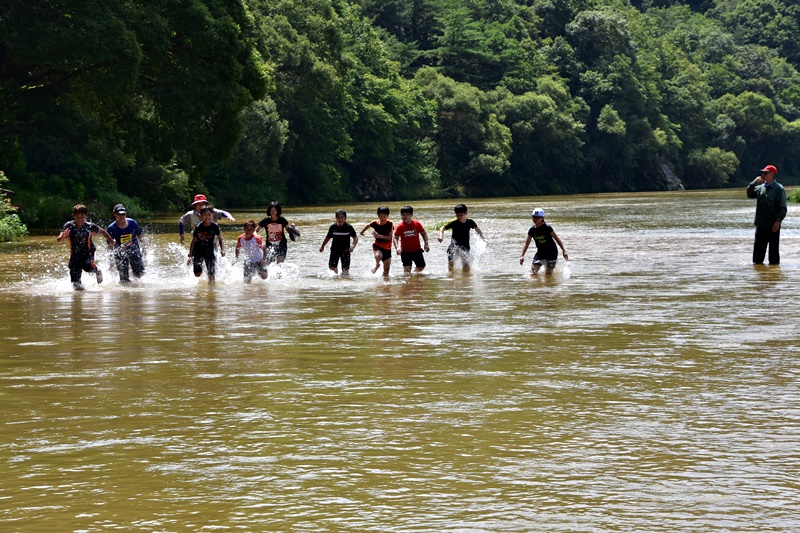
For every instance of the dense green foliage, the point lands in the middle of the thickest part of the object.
(334, 100)
(11, 227)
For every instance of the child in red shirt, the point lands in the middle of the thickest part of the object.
(406, 240)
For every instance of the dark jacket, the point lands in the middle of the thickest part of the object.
(770, 203)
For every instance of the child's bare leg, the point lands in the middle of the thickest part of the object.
(535, 269)
(386, 266)
(450, 265)
(378, 257)
(345, 272)
(211, 269)
(548, 271)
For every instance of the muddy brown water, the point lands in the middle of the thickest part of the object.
(652, 384)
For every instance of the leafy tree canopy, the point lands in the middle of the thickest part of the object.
(336, 100)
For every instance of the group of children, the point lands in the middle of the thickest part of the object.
(125, 237)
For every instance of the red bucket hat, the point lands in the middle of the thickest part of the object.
(199, 198)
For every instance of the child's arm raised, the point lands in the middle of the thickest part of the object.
(63, 235)
(293, 232)
(223, 214)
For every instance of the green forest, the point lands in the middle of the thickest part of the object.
(322, 101)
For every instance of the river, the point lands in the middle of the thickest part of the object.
(651, 385)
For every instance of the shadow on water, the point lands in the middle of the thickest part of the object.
(770, 273)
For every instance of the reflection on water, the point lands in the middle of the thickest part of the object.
(650, 386)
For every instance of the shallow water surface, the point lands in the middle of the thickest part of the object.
(650, 385)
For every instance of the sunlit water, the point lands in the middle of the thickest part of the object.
(651, 385)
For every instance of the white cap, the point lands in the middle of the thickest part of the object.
(538, 212)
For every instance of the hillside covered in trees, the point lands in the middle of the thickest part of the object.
(311, 101)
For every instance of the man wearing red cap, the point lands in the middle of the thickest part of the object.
(192, 218)
(770, 211)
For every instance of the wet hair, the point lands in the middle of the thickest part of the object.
(80, 208)
(277, 206)
(249, 222)
(206, 209)
(341, 212)
(383, 209)
(460, 208)
(407, 209)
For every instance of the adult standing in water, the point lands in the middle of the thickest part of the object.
(770, 212)
(192, 218)
(128, 244)
(275, 224)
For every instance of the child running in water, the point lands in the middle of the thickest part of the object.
(81, 248)
(459, 243)
(407, 234)
(202, 248)
(275, 225)
(382, 230)
(545, 239)
(255, 253)
(341, 232)
(128, 244)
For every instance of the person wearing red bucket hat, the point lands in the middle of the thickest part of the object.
(192, 218)
(770, 212)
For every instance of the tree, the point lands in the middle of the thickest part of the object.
(94, 92)
(471, 143)
(710, 168)
(546, 130)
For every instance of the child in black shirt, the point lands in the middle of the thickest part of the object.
(202, 248)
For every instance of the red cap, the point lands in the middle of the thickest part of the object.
(770, 168)
(202, 198)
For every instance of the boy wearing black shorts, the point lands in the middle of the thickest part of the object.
(202, 248)
(340, 233)
(459, 244)
(406, 240)
(545, 239)
(382, 230)
(81, 248)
